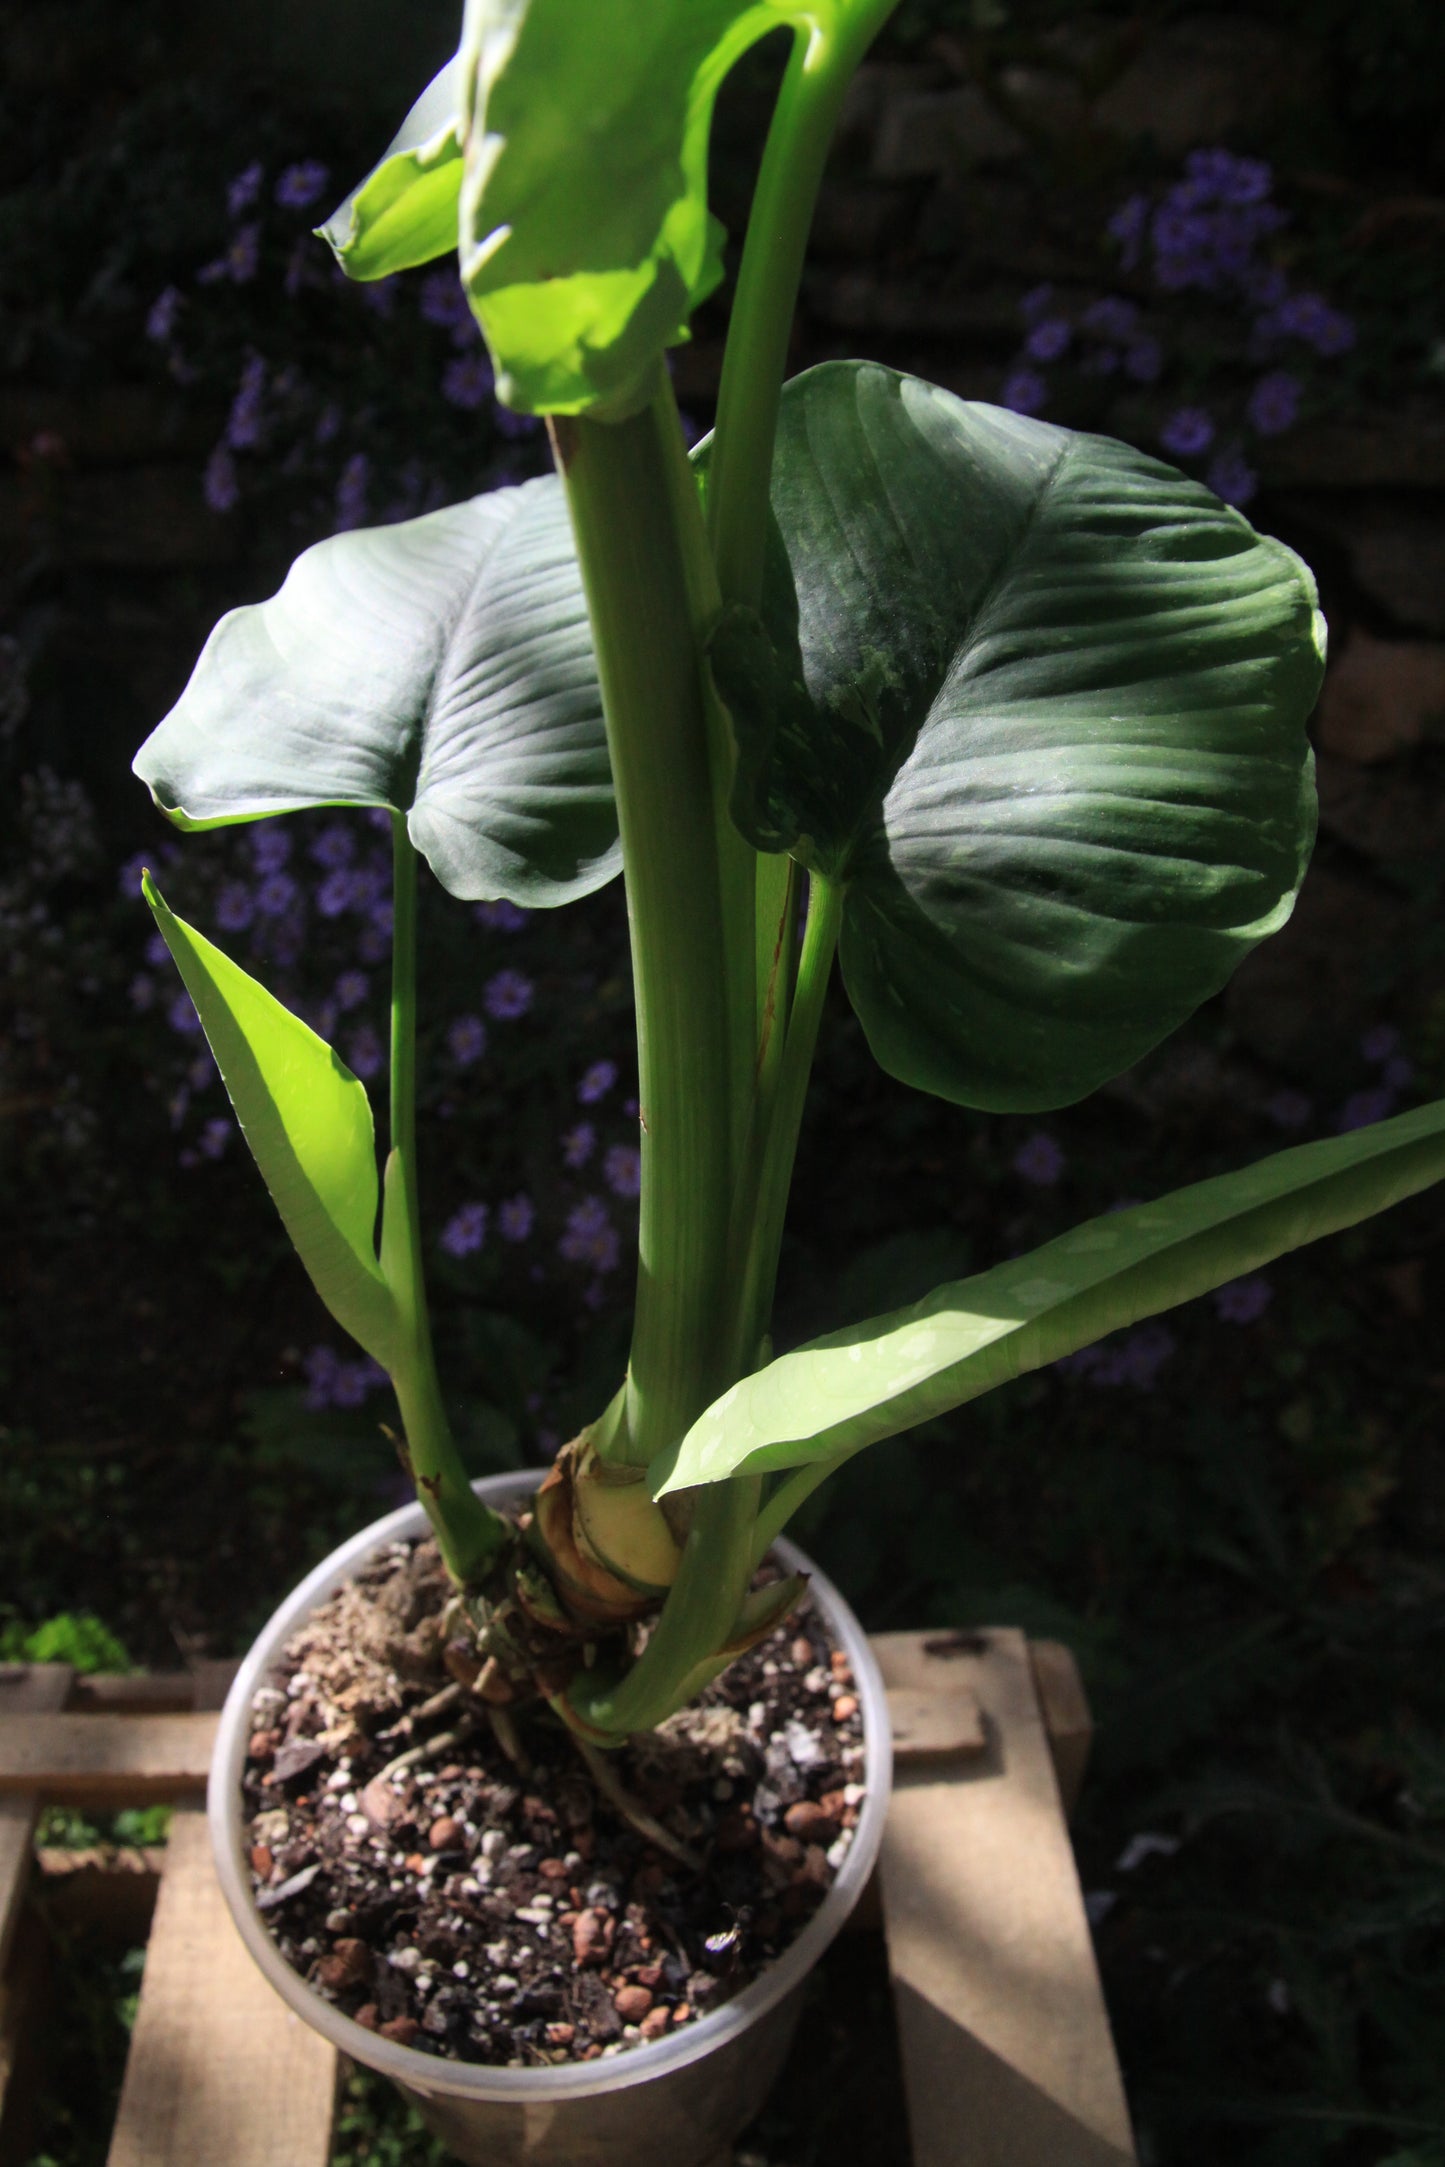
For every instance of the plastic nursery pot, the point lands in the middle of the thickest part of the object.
(676, 2102)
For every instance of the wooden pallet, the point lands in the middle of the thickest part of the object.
(1006, 2050)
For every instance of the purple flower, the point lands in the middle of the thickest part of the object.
(1289, 1109)
(1243, 1301)
(442, 300)
(161, 320)
(201, 1072)
(1048, 339)
(220, 486)
(156, 951)
(465, 1231)
(244, 189)
(350, 990)
(302, 267)
(1144, 361)
(351, 492)
(1187, 432)
(1363, 1108)
(364, 1053)
(215, 1136)
(301, 184)
(235, 906)
(1380, 1043)
(1024, 391)
(1136, 1359)
(1231, 476)
(240, 262)
(597, 1082)
(507, 995)
(1232, 180)
(577, 1145)
(379, 295)
(1274, 403)
(1036, 303)
(516, 427)
(622, 1169)
(335, 846)
(1039, 1160)
(328, 423)
(1399, 1074)
(501, 916)
(276, 895)
(244, 423)
(467, 1040)
(516, 1218)
(1110, 318)
(590, 1237)
(181, 1015)
(270, 848)
(340, 891)
(129, 876)
(330, 1382)
(467, 382)
(1308, 316)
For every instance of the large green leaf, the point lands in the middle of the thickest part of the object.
(1039, 701)
(405, 211)
(586, 238)
(443, 667)
(308, 1122)
(844, 1391)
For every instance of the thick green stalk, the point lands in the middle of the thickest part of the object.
(468, 1532)
(767, 1209)
(642, 550)
(799, 136)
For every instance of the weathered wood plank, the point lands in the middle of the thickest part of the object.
(220, 2070)
(928, 1724)
(1064, 1706)
(105, 1761)
(25, 1694)
(1006, 2048)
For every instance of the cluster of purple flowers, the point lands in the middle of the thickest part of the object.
(1207, 236)
(1129, 1358)
(284, 430)
(333, 1380)
(1383, 1049)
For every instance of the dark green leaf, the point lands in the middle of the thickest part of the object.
(852, 1387)
(442, 667)
(1039, 701)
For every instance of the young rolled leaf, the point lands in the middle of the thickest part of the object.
(308, 1122)
(844, 1391)
(442, 667)
(405, 211)
(1039, 701)
(586, 237)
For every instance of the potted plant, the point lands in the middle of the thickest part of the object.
(1010, 719)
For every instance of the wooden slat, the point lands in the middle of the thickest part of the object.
(105, 1761)
(221, 2073)
(927, 1725)
(25, 1694)
(1007, 2055)
(1064, 1706)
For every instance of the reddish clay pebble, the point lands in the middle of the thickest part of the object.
(347, 1965)
(632, 2003)
(414, 1862)
(839, 1665)
(815, 1866)
(844, 1706)
(380, 1803)
(263, 1745)
(261, 1860)
(445, 1834)
(810, 1822)
(801, 1652)
(656, 2021)
(402, 2029)
(649, 1975)
(592, 1937)
(366, 2016)
(561, 2035)
(552, 1870)
(682, 2014)
(590, 2054)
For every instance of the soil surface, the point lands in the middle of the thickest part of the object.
(497, 1910)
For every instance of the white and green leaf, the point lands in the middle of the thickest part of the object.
(405, 211)
(442, 667)
(839, 1393)
(308, 1122)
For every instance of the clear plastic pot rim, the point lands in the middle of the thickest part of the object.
(430, 2073)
